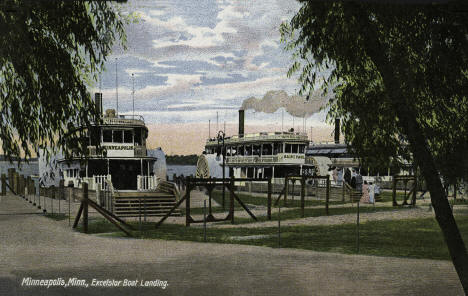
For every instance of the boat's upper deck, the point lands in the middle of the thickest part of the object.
(262, 137)
(123, 120)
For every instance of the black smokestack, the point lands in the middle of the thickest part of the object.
(98, 102)
(337, 131)
(241, 123)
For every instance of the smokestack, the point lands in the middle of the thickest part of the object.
(98, 102)
(241, 123)
(337, 130)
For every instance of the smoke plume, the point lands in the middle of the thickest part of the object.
(295, 105)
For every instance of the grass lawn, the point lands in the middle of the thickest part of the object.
(296, 203)
(417, 238)
(289, 214)
(56, 216)
(262, 201)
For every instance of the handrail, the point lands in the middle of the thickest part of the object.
(255, 137)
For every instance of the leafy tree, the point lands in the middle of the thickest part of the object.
(400, 78)
(50, 51)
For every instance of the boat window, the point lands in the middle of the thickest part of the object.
(128, 136)
(267, 149)
(117, 136)
(248, 150)
(241, 150)
(256, 150)
(301, 148)
(288, 148)
(107, 136)
(138, 136)
(278, 148)
(295, 148)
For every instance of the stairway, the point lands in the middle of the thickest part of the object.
(150, 203)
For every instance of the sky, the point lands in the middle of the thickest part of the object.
(192, 60)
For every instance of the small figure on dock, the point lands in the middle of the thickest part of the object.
(340, 177)
(359, 182)
(371, 189)
(365, 193)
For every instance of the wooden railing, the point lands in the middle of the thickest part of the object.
(146, 183)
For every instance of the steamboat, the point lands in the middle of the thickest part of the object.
(123, 158)
(260, 155)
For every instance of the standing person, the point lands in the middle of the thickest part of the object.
(340, 177)
(359, 182)
(353, 179)
(347, 176)
(335, 175)
(377, 190)
(330, 174)
(365, 193)
(371, 193)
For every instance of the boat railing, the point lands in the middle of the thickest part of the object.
(101, 181)
(124, 119)
(139, 150)
(263, 136)
(252, 159)
(146, 183)
(283, 157)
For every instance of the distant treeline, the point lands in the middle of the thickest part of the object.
(182, 159)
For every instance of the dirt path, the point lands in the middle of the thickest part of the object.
(40, 248)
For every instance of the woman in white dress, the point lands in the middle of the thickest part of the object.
(371, 193)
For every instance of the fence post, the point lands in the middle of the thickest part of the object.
(286, 189)
(85, 207)
(343, 192)
(17, 180)
(327, 197)
(269, 200)
(44, 204)
(394, 191)
(52, 197)
(3, 184)
(39, 191)
(231, 200)
(27, 186)
(357, 221)
(70, 192)
(23, 187)
(204, 220)
(187, 204)
(10, 178)
(303, 181)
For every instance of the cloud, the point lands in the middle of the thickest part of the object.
(295, 105)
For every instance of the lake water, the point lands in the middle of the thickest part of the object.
(186, 170)
(33, 169)
(26, 169)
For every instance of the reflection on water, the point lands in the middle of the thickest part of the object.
(185, 170)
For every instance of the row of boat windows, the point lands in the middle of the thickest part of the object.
(72, 173)
(117, 136)
(135, 136)
(265, 149)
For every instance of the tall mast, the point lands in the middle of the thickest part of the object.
(116, 88)
(133, 94)
(282, 119)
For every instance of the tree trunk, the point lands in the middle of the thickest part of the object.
(421, 153)
(443, 212)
